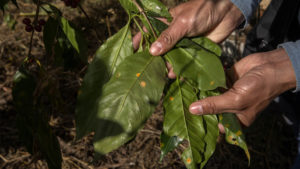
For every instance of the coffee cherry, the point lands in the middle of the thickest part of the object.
(42, 22)
(38, 28)
(29, 28)
(26, 21)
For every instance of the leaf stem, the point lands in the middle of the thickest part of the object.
(144, 14)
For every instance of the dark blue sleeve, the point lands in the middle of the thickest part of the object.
(293, 50)
(247, 7)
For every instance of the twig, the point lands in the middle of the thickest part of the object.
(88, 18)
(35, 21)
(144, 14)
(108, 25)
(3, 158)
(157, 133)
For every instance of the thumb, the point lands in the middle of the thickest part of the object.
(168, 39)
(227, 102)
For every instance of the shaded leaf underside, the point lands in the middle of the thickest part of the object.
(128, 99)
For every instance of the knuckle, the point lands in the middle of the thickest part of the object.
(211, 108)
(167, 38)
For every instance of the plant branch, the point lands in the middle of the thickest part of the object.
(34, 22)
(89, 19)
(144, 14)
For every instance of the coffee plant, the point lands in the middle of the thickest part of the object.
(122, 86)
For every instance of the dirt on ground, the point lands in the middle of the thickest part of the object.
(271, 141)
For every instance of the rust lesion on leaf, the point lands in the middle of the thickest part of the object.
(143, 84)
(138, 74)
(212, 83)
(171, 98)
(189, 160)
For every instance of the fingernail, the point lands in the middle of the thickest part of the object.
(197, 109)
(156, 48)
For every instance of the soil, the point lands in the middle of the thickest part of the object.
(270, 140)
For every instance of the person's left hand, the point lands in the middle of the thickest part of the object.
(257, 80)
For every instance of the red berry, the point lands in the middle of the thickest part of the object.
(26, 21)
(38, 28)
(29, 28)
(42, 22)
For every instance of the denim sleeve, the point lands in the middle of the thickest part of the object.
(247, 7)
(293, 50)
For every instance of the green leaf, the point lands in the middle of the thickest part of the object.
(75, 38)
(196, 59)
(201, 66)
(168, 144)
(201, 132)
(155, 8)
(128, 100)
(49, 34)
(233, 132)
(129, 6)
(49, 8)
(32, 124)
(107, 58)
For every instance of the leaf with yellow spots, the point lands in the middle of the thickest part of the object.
(107, 58)
(201, 132)
(196, 59)
(128, 101)
(233, 132)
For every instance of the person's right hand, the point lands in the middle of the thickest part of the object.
(215, 19)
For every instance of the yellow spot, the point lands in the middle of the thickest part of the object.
(238, 133)
(227, 125)
(189, 160)
(143, 83)
(138, 75)
(118, 74)
(171, 98)
(162, 145)
(212, 83)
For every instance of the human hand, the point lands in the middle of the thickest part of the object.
(258, 79)
(213, 19)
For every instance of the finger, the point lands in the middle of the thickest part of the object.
(136, 41)
(221, 128)
(227, 102)
(168, 38)
(171, 73)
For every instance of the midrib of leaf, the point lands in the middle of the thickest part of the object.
(129, 90)
(184, 116)
(118, 51)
